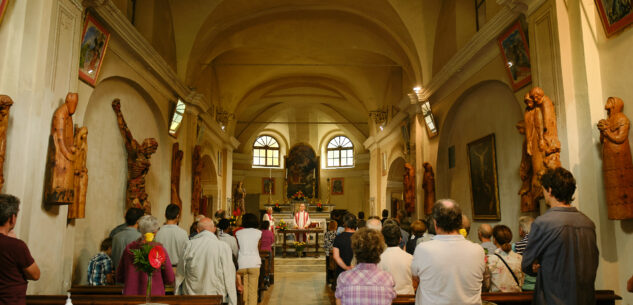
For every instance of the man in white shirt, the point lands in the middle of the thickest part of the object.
(302, 221)
(449, 267)
(173, 237)
(206, 267)
(396, 261)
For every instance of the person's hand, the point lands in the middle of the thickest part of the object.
(239, 287)
(536, 267)
(110, 278)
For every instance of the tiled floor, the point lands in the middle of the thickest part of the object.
(298, 283)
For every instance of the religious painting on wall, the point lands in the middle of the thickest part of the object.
(483, 179)
(268, 186)
(94, 42)
(3, 8)
(337, 186)
(516, 56)
(615, 14)
(302, 171)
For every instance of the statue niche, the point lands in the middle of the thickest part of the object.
(5, 105)
(196, 192)
(409, 188)
(78, 208)
(138, 163)
(176, 162)
(60, 169)
(617, 165)
(428, 184)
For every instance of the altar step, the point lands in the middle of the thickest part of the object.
(304, 264)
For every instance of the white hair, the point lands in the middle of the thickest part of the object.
(374, 224)
(148, 224)
(525, 222)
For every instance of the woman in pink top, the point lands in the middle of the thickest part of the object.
(268, 238)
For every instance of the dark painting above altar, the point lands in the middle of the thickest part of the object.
(302, 171)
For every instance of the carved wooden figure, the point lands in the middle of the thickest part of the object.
(196, 191)
(428, 184)
(617, 165)
(78, 208)
(239, 195)
(550, 143)
(5, 104)
(60, 186)
(528, 203)
(533, 137)
(409, 188)
(176, 162)
(138, 163)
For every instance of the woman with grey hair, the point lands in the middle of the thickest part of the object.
(134, 281)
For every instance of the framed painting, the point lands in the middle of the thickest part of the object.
(268, 186)
(615, 15)
(94, 42)
(516, 56)
(337, 186)
(302, 171)
(3, 8)
(484, 187)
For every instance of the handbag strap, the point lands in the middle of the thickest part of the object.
(514, 276)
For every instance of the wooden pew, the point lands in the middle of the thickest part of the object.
(106, 290)
(603, 297)
(122, 299)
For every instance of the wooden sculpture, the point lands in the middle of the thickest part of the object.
(533, 137)
(196, 191)
(138, 163)
(78, 208)
(239, 195)
(5, 104)
(428, 184)
(550, 143)
(60, 176)
(409, 188)
(617, 166)
(528, 204)
(176, 162)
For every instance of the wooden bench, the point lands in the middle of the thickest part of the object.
(94, 299)
(603, 297)
(106, 290)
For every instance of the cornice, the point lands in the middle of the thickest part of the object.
(388, 133)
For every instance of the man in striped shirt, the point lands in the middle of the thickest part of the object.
(100, 271)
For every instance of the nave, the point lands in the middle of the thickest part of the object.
(299, 281)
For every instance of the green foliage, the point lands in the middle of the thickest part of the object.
(141, 258)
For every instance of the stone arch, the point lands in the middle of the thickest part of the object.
(210, 187)
(394, 184)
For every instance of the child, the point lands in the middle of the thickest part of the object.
(100, 270)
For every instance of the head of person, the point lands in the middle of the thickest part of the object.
(220, 214)
(106, 246)
(194, 228)
(367, 246)
(148, 224)
(430, 224)
(9, 208)
(502, 237)
(332, 225)
(269, 210)
(206, 224)
(133, 215)
(265, 225)
(302, 207)
(350, 221)
(466, 224)
(149, 147)
(374, 223)
(224, 224)
(484, 232)
(447, 216)
(391, 221)
(361, 223)
(392, 235)
(361, 215)
(200, 216)
(172, 212)
(249, 221)
(401, 215)
(525, 225)
(385, 213)
(417, 228)
(559, 186)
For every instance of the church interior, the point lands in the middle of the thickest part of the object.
(344, 105)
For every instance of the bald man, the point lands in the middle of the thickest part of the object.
(485, 234)
(374, 223)
(206, 266)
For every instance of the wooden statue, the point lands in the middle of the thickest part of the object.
(528, 204)
(550, 143)
(196, 191)
(533, 137)
(5, 104)
(409, 188)
(428, 184)
(138, 163)
(617, 165)
(239, 195)
(78, 208)
(176, 162)
(60, 187)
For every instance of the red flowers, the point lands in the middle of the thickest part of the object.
(156, 257)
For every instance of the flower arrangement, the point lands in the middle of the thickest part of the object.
(276, 207)
(298, 195)
(281, 225)
(233, 220)
(149, 258)
(299, 246)
(319, 207)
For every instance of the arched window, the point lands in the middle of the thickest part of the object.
(266, 152)
(340, 152)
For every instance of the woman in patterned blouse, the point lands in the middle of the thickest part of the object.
(327, 246)
(503, 270)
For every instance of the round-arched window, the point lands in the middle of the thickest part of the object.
(340, 152)
(266, 152)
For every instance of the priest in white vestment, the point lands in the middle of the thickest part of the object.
(302, 221)
(206, 266)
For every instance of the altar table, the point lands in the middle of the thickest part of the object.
(316, 232)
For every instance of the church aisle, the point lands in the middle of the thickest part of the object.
(299, 281)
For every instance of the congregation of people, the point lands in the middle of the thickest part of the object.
(368, 261)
